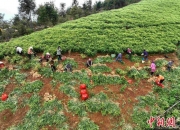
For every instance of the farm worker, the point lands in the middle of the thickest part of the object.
(53, 68)
(68, 67)
(59, 53)
(119, 57)
(145, 55)
(41, 58)
(89, 62)
(169, 65)
(19, 50)
(153, 67)
(47, 56)
(129, 52)
(30, 52)
(159, 80)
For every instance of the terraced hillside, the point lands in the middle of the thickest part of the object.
(150, 24)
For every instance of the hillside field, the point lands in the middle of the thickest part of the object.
(153, 25)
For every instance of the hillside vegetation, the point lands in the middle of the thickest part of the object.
(150, 24)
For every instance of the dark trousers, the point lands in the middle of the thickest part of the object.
(145, 58)
(29, 56)
(88, 65)
(152, 73)
(20, 53)
(59, 57)
(169, 68)
(53, 68)
(161, 80)
(68, 69)
(130, 55)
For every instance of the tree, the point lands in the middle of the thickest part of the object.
(75, 3)
(47, 14)
(62, 9)
(87, 7)
(27, 7)
(98, 5)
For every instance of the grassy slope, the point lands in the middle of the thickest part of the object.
(150, 24)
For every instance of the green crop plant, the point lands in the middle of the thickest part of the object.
(34, 86)
(72, 62)
(20, 77)
(100, 79)
(100, 102)
(137, 74)
(99, 68)
(121, 72)
(133, 26)
(45, 72)
(159, 101)
(103, 59)
(77, 107)
(69, 90)
(122, 89)
(87, 124)
(161, 62)
(63, 77)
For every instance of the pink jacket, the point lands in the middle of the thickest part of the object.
(153, 67)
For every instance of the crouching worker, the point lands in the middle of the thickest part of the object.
(169, 65)
(129, 52)
(145, 55)
(19, 50)
(30, 52)
(68, 67)
(119, 57)
(89, 63)
(47, 56)
(159, 80)
(53, 68)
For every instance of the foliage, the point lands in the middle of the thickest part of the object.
(125, 28)
(72, 62)
(100, 102)
(157, 105)
(69, 90)
(63, 77)
(20, 78)
(34, 86)
(50, 113)
(102, 59)
(77, 107)
(87, 124)
(120, 72)
(137, 74)
(12, 101)
(47, 14)
(27, 7)
(109, 79)
(45, 72)
(97, 68)
(161, 62)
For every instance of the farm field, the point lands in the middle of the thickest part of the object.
(150, 24)
(122, 96)
(113, 102)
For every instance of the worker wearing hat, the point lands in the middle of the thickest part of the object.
(30, 52)
(19, 50)
(47, 56)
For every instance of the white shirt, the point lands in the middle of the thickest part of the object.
(19, 49)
